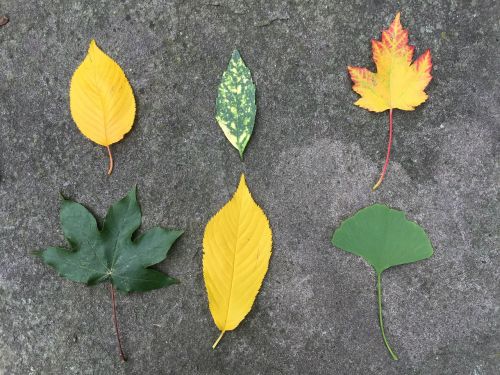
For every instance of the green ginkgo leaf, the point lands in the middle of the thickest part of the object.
(236, 103)
(384, 238)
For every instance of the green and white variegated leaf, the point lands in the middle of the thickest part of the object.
(236, 103)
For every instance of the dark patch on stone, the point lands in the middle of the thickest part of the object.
(4, 20)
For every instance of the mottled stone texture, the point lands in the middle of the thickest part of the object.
(310, 164)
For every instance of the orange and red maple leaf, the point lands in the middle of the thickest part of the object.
(397, 83)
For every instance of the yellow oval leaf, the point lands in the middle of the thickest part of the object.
(101, 99)
(236, 252)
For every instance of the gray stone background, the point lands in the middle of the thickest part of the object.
(310, 164)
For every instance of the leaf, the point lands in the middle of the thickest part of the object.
(101, 99)
(236, 251)
(236, 103)
(110, 254)
(398, 83)
(384, 238)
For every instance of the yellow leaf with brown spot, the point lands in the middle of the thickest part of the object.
(101, 99)
(397, 83)
(236, 251)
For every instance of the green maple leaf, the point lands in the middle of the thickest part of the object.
(384, 238)
(110, 254)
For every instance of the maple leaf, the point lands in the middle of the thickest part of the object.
(398, 83)
(110, 254)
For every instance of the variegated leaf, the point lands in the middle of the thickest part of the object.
(236, 103)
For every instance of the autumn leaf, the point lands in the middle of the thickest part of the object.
(236, 251)
(236, 103)
(101, 100)
(109, 254)
(397, 84)
(384, 238)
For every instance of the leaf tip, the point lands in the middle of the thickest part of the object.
(174, 281)
(396, 26)
(92, 44)
(132, 193)
(243, 181)
(236, 54)
(397, 18)
(354, 73)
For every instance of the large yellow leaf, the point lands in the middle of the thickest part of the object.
(101, 99)
(236, 251)
(397, 84)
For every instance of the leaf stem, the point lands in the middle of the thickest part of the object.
(380, 319)
(110, 169)
(384, 169)
(115, 322)
(218, 339)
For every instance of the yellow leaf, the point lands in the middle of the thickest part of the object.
(101, 99)
(398, 83)
(236, 252)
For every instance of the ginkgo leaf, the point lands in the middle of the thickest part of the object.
(397, 83)
(236, 251)
(384, 238)
(111, 254)
(236, 103)
(102, 102)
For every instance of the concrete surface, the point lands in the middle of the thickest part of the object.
(309, 164)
